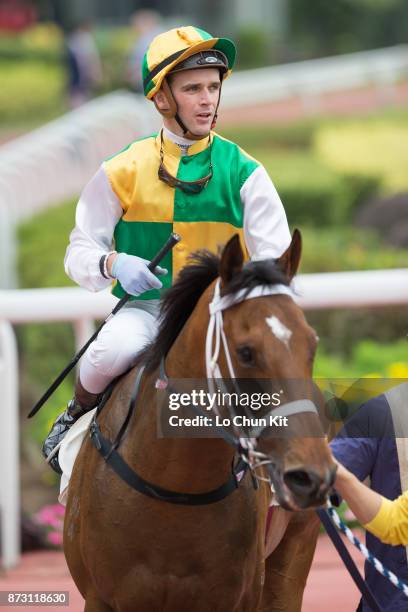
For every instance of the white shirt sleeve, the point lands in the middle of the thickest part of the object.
(266, 228)
(97, 213)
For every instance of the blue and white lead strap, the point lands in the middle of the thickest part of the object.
(366, 553)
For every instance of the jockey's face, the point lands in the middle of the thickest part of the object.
(196, 93)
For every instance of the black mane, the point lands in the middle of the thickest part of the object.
(180, 300)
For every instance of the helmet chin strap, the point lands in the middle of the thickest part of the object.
(171, 112)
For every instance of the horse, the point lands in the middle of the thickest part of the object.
(180, 526)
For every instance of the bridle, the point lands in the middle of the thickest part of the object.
(246, 446)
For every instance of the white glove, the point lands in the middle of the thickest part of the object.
(133, 274)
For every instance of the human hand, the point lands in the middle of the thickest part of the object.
(342, 473)
(133, 274)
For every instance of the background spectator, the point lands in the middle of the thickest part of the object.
(146, 24)
(83, 63)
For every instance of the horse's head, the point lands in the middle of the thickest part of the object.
(247, 319)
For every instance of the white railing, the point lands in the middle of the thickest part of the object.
(314, 291)
(308, 79)
(9, 456)
(53, 163)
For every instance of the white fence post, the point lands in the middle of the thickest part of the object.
(7, 246)
(9, 449)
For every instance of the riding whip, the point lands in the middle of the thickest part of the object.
(172, 240)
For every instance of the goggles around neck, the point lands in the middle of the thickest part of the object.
(191, 187)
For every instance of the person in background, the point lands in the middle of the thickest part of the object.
(83, 64)
(146, 25)
(374, 444)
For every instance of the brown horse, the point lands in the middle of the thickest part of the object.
(134, 552)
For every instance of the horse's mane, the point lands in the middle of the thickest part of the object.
(180, 300)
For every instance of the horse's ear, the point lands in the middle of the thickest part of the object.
(232, 259)
(289, 261)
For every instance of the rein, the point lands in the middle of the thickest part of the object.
(249, 457)
(109, 453)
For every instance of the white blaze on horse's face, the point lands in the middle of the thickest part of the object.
(279, 330)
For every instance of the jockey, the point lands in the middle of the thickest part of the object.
(186, 179)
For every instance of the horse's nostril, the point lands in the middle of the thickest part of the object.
(308, 486)
(300, 481)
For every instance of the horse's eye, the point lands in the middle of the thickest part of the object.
(246, 355)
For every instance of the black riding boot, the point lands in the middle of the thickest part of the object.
(82, 402)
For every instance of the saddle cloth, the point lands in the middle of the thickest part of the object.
(69, 450)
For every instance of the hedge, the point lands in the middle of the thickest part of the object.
(377, 148)
(41, 42)
(311, 192)
(367, 359)
(31, 92)
(297, 135)
(45, 349)
(334, 249)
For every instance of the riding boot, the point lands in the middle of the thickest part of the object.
(82, 402)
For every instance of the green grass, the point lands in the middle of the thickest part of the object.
(31, 93)
(346, 249)
(272, 137)
(367, 358)
(39, 266)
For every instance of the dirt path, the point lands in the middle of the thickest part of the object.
(328, 588)
(352, 102)
(7, 135)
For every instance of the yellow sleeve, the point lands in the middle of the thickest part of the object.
(391, 522)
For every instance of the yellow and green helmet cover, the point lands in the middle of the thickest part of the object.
(168, 49)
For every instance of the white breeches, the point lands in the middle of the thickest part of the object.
(117, 345)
